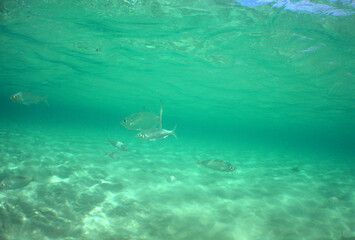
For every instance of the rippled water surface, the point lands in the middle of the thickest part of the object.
(267, 86)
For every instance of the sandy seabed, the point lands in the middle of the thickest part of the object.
(157, 191)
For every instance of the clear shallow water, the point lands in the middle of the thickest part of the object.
(268, 89)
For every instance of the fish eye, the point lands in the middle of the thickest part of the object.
(16, 96)
(231, 168)
(124, 120)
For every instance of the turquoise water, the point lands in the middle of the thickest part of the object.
(267, 86)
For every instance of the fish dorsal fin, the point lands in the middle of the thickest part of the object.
(161, 115)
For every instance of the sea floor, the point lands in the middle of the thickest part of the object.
(157, 191)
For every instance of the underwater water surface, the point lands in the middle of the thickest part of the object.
(261, 94)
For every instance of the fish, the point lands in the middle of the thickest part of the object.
(27, 98)
(142, 120)
(114, 155)
(15, 182)
(157, 133)
(119, 145)
(219, 165)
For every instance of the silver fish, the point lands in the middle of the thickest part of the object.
(15, 182)
(142, 120)
(218, 165)
(27, 98)
(153, 134)
(156, 133)
(119, 145)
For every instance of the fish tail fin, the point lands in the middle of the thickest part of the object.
(161, 115)
(44, 99)
(109, 154)
(196, 159)
(173, 132)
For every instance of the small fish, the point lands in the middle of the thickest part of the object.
(142, 120)
(27, 98)
(15, 182)
(114, 155)
(153, 134)
(218, 165)
(119, 145)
